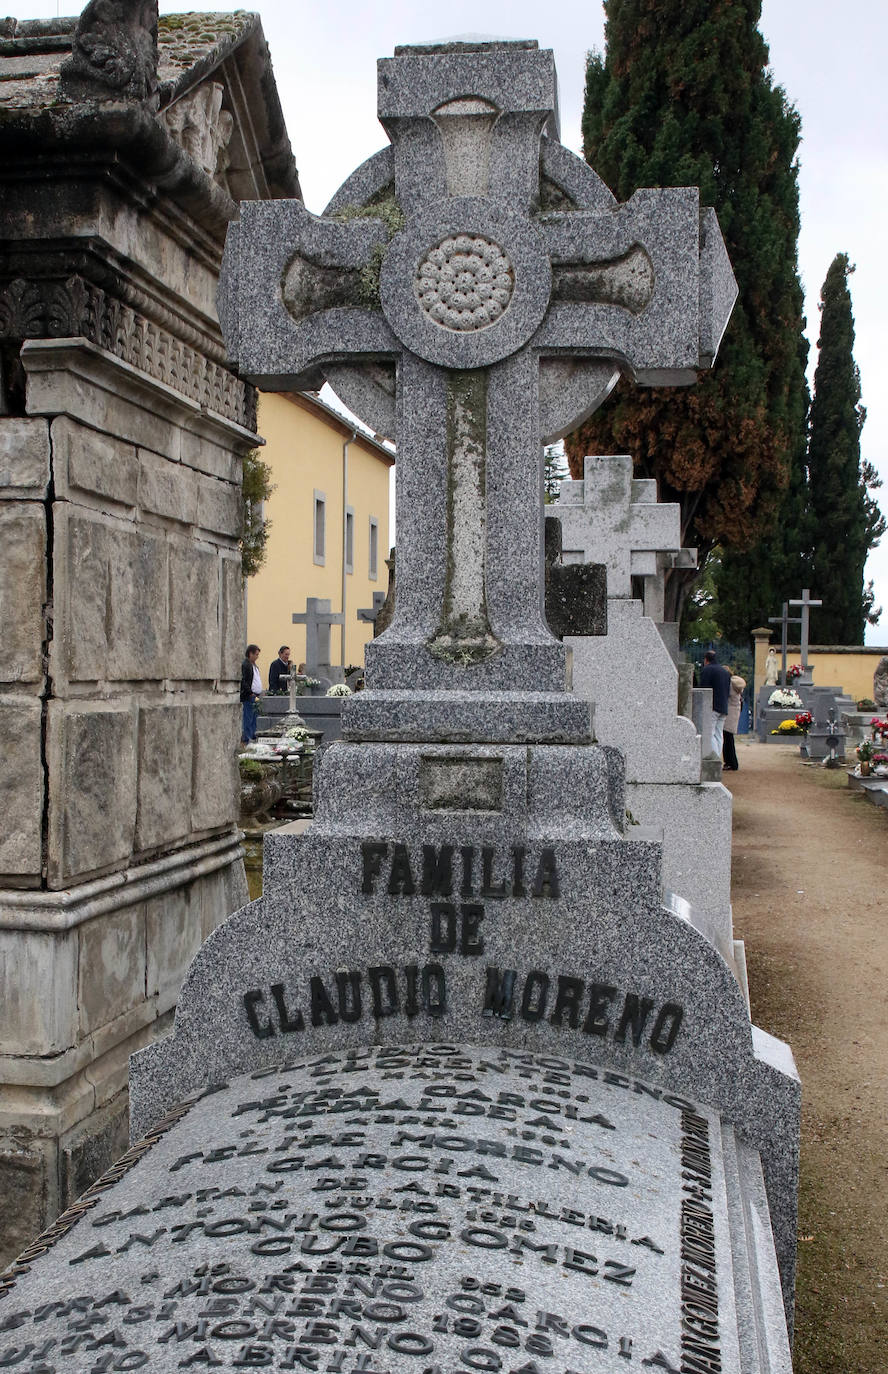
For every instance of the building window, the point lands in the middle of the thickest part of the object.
(349, 540)
(374, 548)
(320, 528)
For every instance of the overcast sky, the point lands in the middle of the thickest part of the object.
(829, 59)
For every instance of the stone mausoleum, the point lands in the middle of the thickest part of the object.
(125, 150)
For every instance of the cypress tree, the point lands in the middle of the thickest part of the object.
(683, 97)
(846, 520)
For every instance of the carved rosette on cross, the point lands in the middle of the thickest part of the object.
(473, 291)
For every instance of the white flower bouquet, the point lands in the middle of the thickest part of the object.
(786, 699)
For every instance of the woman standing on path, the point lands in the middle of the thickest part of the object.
(732, 720)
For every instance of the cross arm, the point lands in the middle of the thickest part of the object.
(649, 282)
(297, 290)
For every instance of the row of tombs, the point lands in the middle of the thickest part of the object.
(496, 912)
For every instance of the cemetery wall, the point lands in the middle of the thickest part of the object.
(304, 446)
(848, 666)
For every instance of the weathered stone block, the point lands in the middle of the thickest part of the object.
(232, 614)
(112, 966)
(38, 977)
(219, 894)
(194, 613)
(174, 935)
(163, 811)
(24, 1195)
(85, 459)
(90, 1150)
(215, 788)
(201, 453)
(92, 767)
(138, 639)
(112, 609)
(92, 386)
(24, 457)
(219, 507)
(22, 592)
(167, 489)
(82, 562)
(21, 786)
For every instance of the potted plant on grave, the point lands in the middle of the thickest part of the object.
(866, 704)
(339, 689)
(880, 765)
(865, 753)
(793, 671)
(804, 720)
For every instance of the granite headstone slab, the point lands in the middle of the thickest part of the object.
(413, 1208)
(477, 897)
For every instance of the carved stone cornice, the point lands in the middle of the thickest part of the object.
(76, 308)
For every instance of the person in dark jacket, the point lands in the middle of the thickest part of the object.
(719, 680)
(280, 668)
(251, 686)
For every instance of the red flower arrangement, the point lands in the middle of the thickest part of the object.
(804, 720)
(879, 727)
(793, 671)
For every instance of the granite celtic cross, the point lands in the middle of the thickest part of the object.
(472, 290)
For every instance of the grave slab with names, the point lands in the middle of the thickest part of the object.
(457, 1092)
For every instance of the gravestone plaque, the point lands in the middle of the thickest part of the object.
(462, 968)
(413, 1207)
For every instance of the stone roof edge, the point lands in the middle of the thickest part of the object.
(131, 126)
(249, 50)
(123, 132)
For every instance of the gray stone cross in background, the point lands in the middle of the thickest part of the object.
(473, 289)
(806, 603)
(368, 614)
(784, 620)
(317, 619)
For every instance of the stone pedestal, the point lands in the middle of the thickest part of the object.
(122, 434)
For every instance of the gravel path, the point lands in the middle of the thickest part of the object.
(810, 860)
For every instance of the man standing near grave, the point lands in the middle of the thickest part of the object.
(279, 668)
(719, 680)
(251, 686)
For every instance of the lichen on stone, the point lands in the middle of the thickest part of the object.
(388, 210)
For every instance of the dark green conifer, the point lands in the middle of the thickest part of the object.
(846, 520)
(683, 96)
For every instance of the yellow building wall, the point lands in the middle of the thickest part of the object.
(851, 668)
(304, 449)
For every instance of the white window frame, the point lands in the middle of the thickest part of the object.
(348, 537)
(319, 506)
(373, 554)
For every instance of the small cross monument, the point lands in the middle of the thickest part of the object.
(317, 619)
(806, 603)
(480, 284)
(784, 620)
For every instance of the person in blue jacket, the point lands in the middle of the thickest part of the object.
(718, 679)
